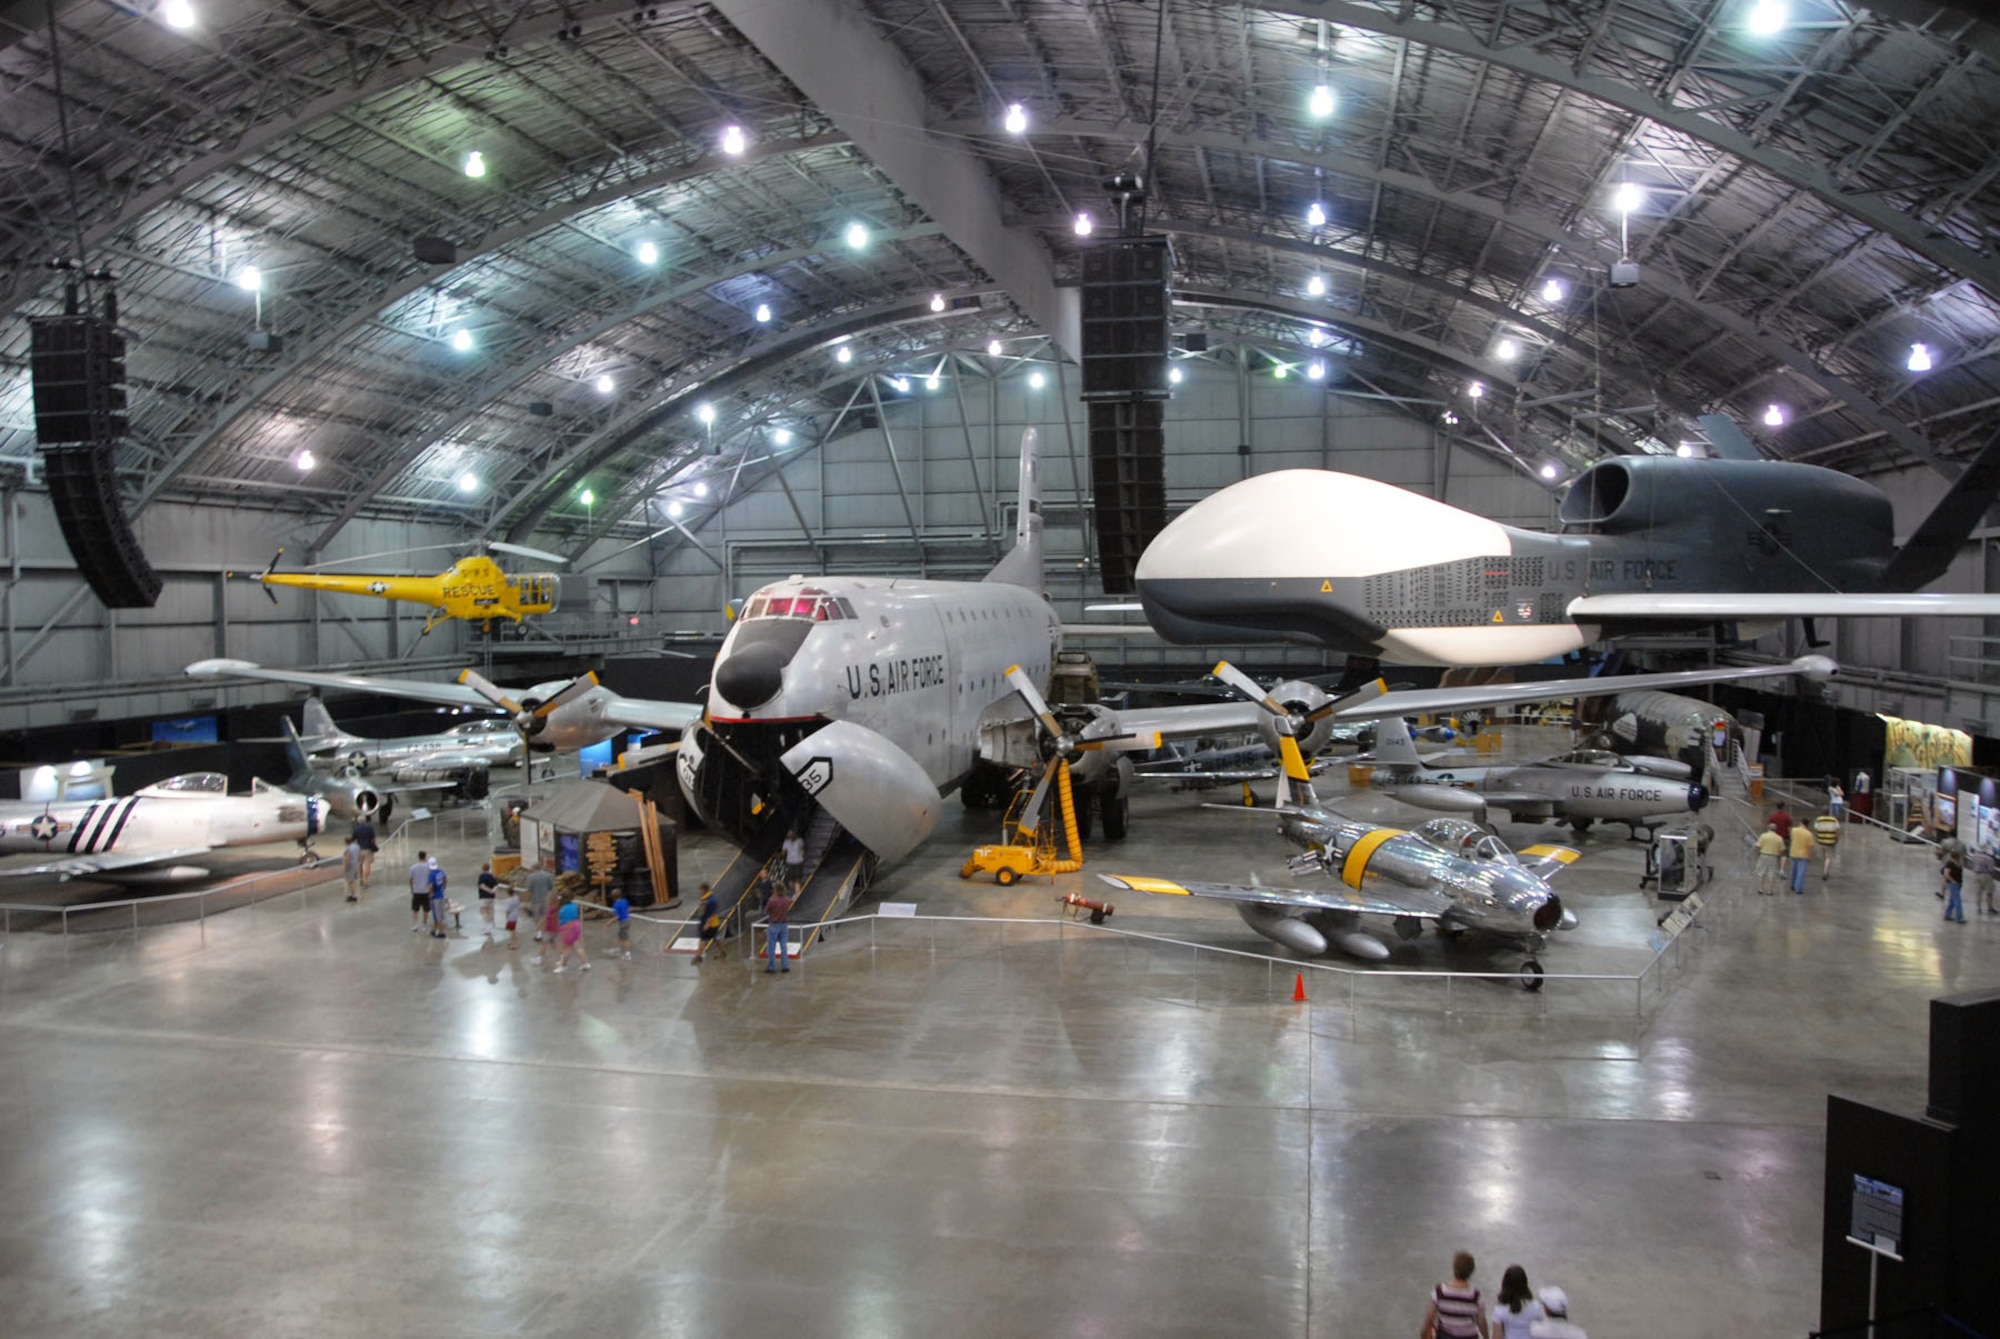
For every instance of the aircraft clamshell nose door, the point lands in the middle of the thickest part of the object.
(874, 789)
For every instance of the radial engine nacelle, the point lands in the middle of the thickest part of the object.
(1299, 699)
(873, 788)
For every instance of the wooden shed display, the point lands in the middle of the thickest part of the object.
(616, 841)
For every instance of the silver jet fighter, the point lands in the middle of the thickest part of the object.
(1579, 790)
(1648, 544)
(1449, 872)
(144, 837)
(459, 759)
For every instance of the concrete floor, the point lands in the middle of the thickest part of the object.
(300, 1118)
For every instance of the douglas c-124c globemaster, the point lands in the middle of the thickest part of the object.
(1648, 544)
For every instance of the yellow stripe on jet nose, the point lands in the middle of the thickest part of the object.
(1361, 852)
(1139, 883)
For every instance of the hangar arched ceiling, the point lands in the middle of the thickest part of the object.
(1813, 201)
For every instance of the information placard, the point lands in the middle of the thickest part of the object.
(1876, 1222)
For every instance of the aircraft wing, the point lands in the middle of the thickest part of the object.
(644, 713)
(446, 694)
(1342, 898)
(1542, 861)
(1420, 701)
(110, 863)
(1824, 604)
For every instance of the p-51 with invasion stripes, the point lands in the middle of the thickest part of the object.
(1449, 872)
(144, 837)
(1647, 544)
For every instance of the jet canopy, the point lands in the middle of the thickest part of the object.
(192, 783)
(1465, 839)
(808, 603)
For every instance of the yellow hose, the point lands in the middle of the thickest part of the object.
(1075, 861)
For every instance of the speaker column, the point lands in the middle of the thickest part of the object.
(78, 367)
(1126, 304)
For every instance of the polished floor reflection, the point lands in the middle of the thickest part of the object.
(302, 1118)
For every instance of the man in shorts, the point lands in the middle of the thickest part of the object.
(350, 869)
(437, 882)
(540, 884)
(364, 837)
(420, 891)
(708, 921)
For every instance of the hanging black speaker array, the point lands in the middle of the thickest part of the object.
(78, 367)
(1126, 305)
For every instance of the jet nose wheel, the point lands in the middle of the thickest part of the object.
(1531, 976)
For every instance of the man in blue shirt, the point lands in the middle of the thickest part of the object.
(437, 899)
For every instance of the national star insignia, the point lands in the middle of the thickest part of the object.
(44, 828)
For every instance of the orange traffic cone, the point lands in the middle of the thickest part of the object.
(1299, 990)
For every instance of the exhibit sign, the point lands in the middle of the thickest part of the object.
(1876, 1222)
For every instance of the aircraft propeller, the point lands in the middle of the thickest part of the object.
(1288, 722)
(530, 715)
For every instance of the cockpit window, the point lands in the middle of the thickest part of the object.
(196, 783)
(807, 602)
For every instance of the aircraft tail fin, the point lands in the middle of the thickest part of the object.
(1929, 551)
(1393, 745)
(295, 751)
(320, 731)
(1022, 564)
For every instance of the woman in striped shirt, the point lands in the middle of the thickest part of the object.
(1454, 1312)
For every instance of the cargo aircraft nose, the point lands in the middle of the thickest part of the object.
(750, 676)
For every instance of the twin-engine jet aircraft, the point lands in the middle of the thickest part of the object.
(1648, 544)
(1578, 789)
(1449, 872)
(144, 837)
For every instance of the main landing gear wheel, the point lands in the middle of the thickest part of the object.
(1580, 825)
(1117, 816)
(1531, 975)
(1005, 876)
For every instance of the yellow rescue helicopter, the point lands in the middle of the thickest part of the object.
(473, 588)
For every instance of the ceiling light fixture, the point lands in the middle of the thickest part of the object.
(1628, 197)
(1280, 372)
(705, 412)
(843, 354)
(1036, 381)
(1768, 17)
(901, 385)
(937, 302)
(1551, 470)
(1552, 290)
(1316, 369)
(1774, 416)
(1083, 225)
(700, 489)
(1316, 215)
(649, 254)
(468, 482)
(1920, 358)
(931, 382)
(305, 460)
(1316, 286)
(1506, 350)
(1476, 389)
(763, 313)
(857, 236)
(734, 141)
(1017, 119)
(1174, 375)
(992, 348)
(475, 164)
(461, 339)
(605, 385)
(674, 510)
(781, 436)
(1320, 104)
(177, 14)
(587, 498)
(250, 279)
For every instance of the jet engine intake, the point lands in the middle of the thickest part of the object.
(873, 788)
